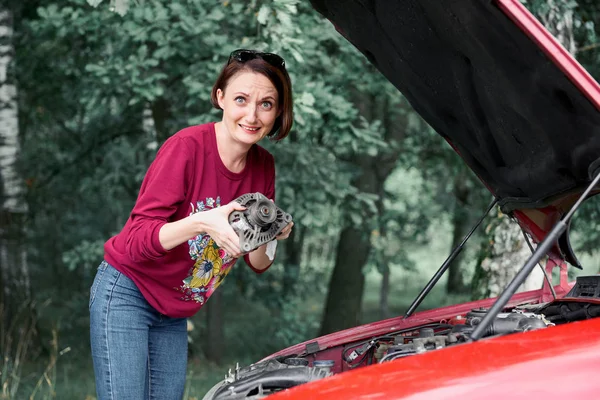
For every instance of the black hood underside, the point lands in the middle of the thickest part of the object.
(519, 123)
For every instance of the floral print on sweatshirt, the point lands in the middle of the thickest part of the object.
(211, 263)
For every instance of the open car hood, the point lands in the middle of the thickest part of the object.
(520, 111)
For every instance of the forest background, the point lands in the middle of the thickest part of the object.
(89, 89)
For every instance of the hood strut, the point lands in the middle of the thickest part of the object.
(524, 272)
(446, 264)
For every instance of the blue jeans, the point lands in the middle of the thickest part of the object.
(138, 353)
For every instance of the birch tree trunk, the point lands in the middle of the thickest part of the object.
(14, 277)
(557, 17)
(149, 128)
(507, 253)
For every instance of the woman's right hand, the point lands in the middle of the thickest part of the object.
(215, 223)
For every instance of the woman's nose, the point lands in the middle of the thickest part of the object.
(251, 115)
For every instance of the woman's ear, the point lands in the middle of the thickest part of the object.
(220, 98)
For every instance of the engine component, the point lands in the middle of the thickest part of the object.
(262, 379)
(427, 339)
(265, 378)
(586, 287)
(425, 342)
(577, 305)
(561, 312)
(506, 323)
(259, 223)
(324, 365)
(515, 322)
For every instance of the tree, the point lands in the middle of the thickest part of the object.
(587, 35)
(356, 241)
(460, 226)
(88, 137)
(504, 250)
(14, 275)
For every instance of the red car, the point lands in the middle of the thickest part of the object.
(524, 116)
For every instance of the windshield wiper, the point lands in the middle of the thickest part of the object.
(446, 264)
(524, 272)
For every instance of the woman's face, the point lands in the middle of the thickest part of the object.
(250, 107)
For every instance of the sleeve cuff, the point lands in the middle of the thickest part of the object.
(157, 247)
(258, 271)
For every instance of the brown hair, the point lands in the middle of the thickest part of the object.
(278, 77)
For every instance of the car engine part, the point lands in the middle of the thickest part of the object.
(575, 305)
(267, 377)
(259, 223)
(541, 250)
(428, 339)
(264, 378)
(586, 287)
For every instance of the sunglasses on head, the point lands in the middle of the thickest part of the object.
(242, 55)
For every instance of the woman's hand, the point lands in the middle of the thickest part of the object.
(285, 233)
(215, 223)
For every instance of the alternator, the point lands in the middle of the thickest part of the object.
(259, 223)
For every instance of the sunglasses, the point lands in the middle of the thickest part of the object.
(242, 55)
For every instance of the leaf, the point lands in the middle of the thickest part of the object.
(121, 7)
(263, 14)
(163, 53)
(216, 15)
(284, 18)
(297, 56)
(94, 3)
(237, 8)
(307, 99)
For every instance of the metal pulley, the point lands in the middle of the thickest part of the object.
(259, 223)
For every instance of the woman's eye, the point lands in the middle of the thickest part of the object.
(267, 105)
(239, 100)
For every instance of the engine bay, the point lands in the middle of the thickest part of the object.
(279, 373)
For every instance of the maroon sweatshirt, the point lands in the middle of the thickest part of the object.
(187, 176)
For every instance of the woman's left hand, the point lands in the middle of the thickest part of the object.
(285, 233)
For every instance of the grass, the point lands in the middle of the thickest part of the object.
(70, 376)
(56, 372)
(74, 380)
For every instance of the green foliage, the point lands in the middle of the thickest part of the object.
(85, 253)
(584, 231)
(586, 29)
(295, 323)
(86, 97)
(103, 83)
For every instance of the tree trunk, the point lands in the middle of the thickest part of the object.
(384, 305)
(507, 254)
(345, 294)
(149, 128)
(456, 283)
(293, 259)
(344, 297)
(384, 267)
(13, 260)
(160, 113)
(460, 226)
(557, 17)
(214, 317)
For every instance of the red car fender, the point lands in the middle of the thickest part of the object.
(554, 363)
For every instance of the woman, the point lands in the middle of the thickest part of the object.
(177, 245)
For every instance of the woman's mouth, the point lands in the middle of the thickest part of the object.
(250, 129)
